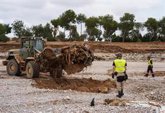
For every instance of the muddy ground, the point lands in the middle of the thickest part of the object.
(41, 95)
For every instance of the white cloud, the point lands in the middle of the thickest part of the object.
(42, 11)
(1, 21)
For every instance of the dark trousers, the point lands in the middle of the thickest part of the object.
(150, 69)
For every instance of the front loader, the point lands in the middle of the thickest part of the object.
(33, 57)
(23, 60)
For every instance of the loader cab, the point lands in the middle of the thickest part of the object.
(30, 45)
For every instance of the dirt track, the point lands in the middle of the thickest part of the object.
(18, 94)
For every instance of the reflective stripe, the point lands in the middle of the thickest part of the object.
(120, 74)
(120, 65)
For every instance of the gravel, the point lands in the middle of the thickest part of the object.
(17, 95)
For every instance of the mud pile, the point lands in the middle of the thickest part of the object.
(84, 85)
(159, 73)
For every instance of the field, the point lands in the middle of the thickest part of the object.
(74, 93)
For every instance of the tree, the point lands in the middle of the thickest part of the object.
(4, 29)
(27, 32)
(81, 19)
(92, 30)
(109, 25)
(162, 29)
(126, 24)
(55, 23)
(43, 31)
(135, 35)
(74, 34)
(7, 28)
(18, 27)
(67, 19)
(152, 27)
(48, 31)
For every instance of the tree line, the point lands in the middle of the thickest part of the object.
(96, 28)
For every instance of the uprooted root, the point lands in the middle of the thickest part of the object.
(72, 59)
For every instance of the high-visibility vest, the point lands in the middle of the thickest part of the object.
(120, 65)
(149, 62)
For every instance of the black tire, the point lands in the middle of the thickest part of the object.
(13, 68)
(32, 70)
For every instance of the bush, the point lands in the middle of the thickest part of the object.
(117, 39)
(61, 36)
(51, 39)
(4, 38)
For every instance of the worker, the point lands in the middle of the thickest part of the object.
(119, 70)
(150, 67)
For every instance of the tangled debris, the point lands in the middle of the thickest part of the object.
(72, 59)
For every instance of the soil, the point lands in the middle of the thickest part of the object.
(104, 47)
(84, 84)
(159, 73)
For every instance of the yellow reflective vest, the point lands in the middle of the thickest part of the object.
(120, 65)
(149, 62)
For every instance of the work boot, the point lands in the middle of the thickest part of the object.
(122, 92)
(146, 75)
(119, 94)
(153, 75)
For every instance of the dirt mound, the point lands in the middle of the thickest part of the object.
(115, 102)
(141, 47)
(159, 73)
(84, 85)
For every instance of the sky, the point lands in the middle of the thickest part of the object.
(34, 12)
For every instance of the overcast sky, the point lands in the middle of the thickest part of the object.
(33, 12)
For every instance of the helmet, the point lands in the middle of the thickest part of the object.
(118, 55)
(149, 57)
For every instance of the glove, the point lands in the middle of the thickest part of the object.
(126, 77)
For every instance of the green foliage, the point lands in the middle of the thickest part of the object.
(55, 24)
(61, 36)
(67, 18)
(92, 30)
(91, 22)
(38, 30)
(109, 25)
(73, 33)
(130, 29)
(116, 39)
(51, 39)
(162, 27)
(42, 31)
(18, 27)
(2, 29)
(3, 38)
(81, 19)
(152, 25)
(126, 24)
